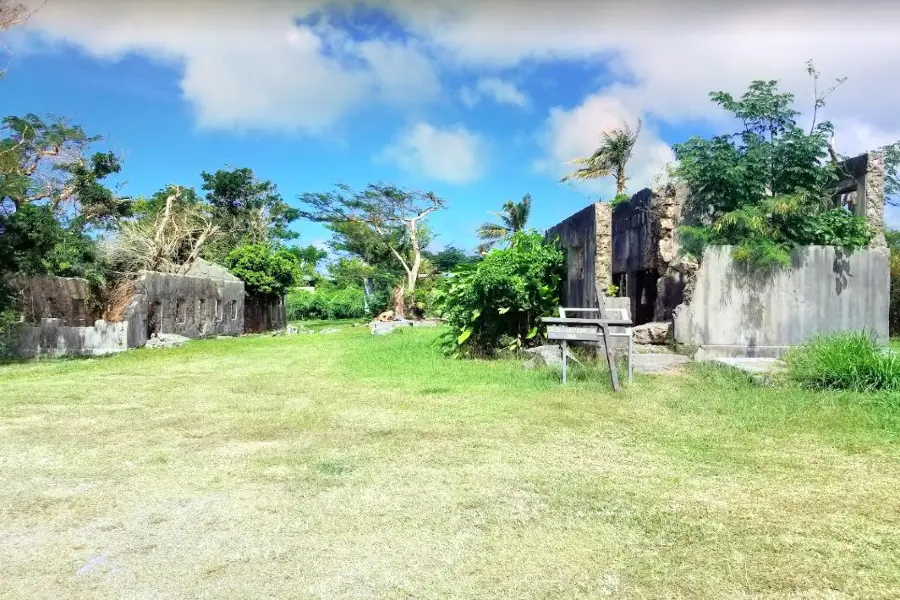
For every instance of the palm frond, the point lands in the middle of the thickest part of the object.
(492, 231)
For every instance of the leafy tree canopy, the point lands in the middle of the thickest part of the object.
(263, 269)
(47, 163)
(768, 187)
(449, 258)
(247, 211)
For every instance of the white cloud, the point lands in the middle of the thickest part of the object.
(576, 132)
(666, 56)
(469, 97)
(250, 65)
(502, 92)
(498, 90)
(451, 154)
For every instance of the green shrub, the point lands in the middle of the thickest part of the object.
(497, 302)
(844, 361)
(327, 303)
(894, 312)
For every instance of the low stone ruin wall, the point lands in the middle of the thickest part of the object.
(735, 313)
(51, 338)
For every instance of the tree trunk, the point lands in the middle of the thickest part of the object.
(412, 274)
(620, 180)
(399, 302)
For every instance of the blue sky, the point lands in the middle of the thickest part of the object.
(479, 103)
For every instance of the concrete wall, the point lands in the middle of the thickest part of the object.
(265, 313)
(586, 238)
(205, 302)
(68, 299)
(50, 338)
(632, 245)
(826, 289)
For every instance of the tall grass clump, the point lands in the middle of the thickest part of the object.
(844, 361)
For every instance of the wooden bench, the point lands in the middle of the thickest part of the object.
(594, 329)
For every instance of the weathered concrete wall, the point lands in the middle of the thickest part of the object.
(68, 299)
(825, 290)
(669, 204)
(265, 313)
(60, 314)
(205, 302)
(862, 191)
(632, 227)
(587, 263)
(51, 338)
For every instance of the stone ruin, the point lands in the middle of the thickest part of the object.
(714, 306)
(66, 317)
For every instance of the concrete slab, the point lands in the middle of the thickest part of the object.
(754, 366)
(658, 363)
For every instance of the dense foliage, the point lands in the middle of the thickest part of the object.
(263, 269)
(892, 237)
(383, 225)
(767, 188)
(497, 302)
(845, 361)
(326, 303)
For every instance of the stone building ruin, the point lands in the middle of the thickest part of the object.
(716, 307)
(66, 317)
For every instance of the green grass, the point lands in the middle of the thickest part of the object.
(353, 466)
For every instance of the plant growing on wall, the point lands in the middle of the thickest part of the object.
(766, 188)
(496, 303)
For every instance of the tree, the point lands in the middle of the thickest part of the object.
(265, 271)
(497, 302)
(767, 188)
(616, 149)
(169, 238)
(13, 12)
(247, 211)
(377, 218)
(46, 163)
(513, 219)
(33, 242)
(308, 257)
(450, 258)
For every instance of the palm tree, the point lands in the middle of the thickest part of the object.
(610, 158)
(513, 218)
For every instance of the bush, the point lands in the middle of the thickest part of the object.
(894, 313)
(844, 361)
(327, 304)
(497, 302)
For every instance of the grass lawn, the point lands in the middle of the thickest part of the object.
(351, 466)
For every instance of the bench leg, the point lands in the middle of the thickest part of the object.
(610, 360)
(630, 354)
(563, 346)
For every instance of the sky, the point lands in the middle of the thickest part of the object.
(477, 101)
